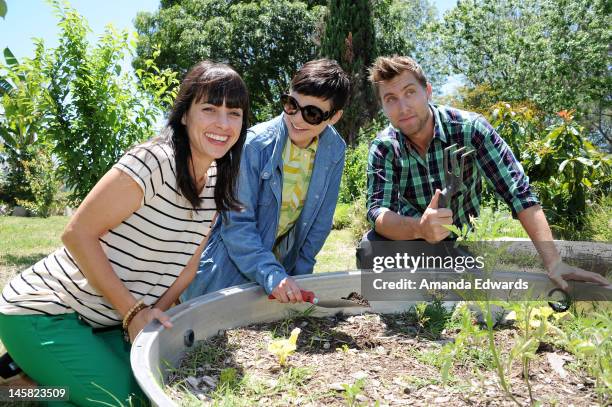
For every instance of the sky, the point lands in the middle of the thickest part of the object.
(27, 19)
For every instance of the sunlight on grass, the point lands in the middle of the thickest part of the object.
(337, 254)
(24, 241)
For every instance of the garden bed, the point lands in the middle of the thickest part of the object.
(392, 359)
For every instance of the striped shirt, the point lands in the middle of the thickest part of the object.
(401, 180)
(147, 250)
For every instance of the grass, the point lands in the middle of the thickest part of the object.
(338, 253)
(24, 241)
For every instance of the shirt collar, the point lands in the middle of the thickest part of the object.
(438, 128)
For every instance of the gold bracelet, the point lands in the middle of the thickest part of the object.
(131, 313)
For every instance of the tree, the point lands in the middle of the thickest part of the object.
(265, 41)
(96, 111)
(552, 52)
(22, 97)
(349, 39)
(409, 27)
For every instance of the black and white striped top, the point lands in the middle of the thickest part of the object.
(148, 250)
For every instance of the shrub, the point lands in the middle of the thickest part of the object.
(354, 178)
(41, 177)
(358, 218)
(565, 170)
(341, 216)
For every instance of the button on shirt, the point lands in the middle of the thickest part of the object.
(401, 180)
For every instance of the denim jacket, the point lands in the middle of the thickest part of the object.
(239, 249)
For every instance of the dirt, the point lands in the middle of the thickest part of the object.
(390, 353)
(358, 298)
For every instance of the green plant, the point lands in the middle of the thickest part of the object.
(566, 170)
(344, 349)
(359, 223)
(23, 88)
(351, 391)
(469, 336)
(430, 318)
(341, 216)
(43, 181)
(95, 111)
(266, 41)
(589, 338)
(228, 377)
(348, 38)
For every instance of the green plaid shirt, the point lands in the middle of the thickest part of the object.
(401, 180)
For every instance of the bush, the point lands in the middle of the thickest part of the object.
(358, 219)
(41, 177)
(597, 224)
(565, 170)
(354, 179)
(341, 216)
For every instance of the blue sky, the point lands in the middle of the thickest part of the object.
(27, 19)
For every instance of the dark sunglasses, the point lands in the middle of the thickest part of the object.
(311, 114)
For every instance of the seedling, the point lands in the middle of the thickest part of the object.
(284, 347)
(351, 391)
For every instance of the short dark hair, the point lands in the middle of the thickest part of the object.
(323, 78)
(213, 83)
(387, 68)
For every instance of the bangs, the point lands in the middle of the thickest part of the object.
(223, 85)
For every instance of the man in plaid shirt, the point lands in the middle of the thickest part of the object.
(406, 172)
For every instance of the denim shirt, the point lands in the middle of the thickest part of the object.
(239, 249)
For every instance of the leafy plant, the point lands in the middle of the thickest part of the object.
(42, 179)
(431, 318)
(341, 216)
(351, 391)
(589, 338)
(566, 170)
(282, 348)
(95, 111)
(22, 97)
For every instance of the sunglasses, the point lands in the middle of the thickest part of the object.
(311, 114)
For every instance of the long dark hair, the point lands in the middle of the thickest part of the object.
(212, 83)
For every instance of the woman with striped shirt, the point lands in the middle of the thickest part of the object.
(131, 248)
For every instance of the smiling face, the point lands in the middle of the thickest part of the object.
(300, 132)
(212, 130)
(405, 103)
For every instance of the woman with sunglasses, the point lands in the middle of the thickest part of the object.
(290, 176)
(131, 248)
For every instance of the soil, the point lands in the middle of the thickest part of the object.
(358, 298)
(390, 352)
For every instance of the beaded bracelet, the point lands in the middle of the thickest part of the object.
(136, 308)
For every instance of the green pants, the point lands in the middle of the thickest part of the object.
(64, 351)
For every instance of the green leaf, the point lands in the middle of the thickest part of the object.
(585, 161)
(10, 59)
(5, 86)
(563, 164)
(2, 8)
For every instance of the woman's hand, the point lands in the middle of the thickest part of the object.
(145, 316)
(288, 291)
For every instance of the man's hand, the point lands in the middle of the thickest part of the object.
(433, 219)
(288, 291)
(563, 271)
(145, 316)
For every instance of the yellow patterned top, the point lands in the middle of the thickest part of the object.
(297, 169)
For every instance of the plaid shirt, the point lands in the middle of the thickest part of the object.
(401, 180)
